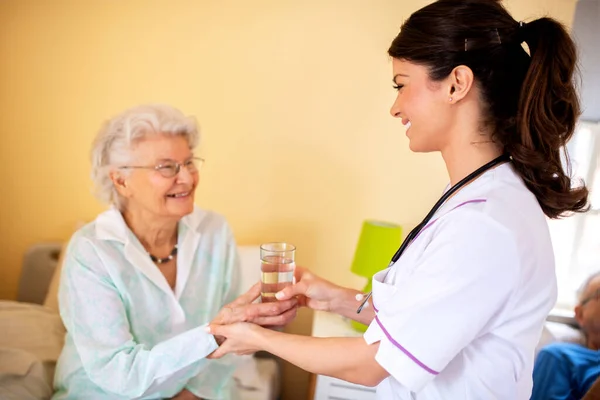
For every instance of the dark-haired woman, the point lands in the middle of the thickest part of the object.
(459, 311)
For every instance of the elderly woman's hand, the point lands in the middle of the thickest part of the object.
(242, 309)
(240, 338)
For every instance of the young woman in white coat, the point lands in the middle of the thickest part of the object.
(458, 312)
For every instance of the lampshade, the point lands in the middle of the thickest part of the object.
(377, 244)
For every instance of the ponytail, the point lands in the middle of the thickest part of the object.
(530, 101)
(546, 116)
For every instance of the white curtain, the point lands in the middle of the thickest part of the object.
(586, 32)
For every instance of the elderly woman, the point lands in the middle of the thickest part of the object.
(141, 282)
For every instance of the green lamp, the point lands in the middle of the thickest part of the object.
(377, 244)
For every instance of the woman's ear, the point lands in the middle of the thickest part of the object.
(460, 83)
(118, 180)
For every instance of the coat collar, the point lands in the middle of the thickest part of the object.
(111, 226)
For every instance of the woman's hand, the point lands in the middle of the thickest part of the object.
(312, 291)
(185, 395)
(242, 309)
(240, 338)
(320, 294)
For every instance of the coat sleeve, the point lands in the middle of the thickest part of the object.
(96, 319)
(212, 382)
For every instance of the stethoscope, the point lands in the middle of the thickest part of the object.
(413, 234)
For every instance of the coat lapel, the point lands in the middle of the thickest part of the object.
(188, 240)
(140, 259)
(111, 226)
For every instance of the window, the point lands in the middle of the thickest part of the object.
(576, 239)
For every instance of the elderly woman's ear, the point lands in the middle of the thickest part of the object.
(119, 181)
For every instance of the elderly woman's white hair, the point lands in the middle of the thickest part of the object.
(114, 142)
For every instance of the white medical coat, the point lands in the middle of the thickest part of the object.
(129, 335)
(459, 315)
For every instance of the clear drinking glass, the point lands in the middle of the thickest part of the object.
(277, 267)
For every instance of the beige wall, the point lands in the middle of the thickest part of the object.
(292, 98)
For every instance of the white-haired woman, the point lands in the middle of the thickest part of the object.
(142, 280)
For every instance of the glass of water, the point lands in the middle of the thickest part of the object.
(277, 265)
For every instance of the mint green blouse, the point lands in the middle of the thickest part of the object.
(129, 335)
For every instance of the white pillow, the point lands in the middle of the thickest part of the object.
(557, 332)
(31, 341)
(32, 328)
(249, 266)
(22, 376)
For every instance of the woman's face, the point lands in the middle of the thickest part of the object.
(422, 104)
(148, 190)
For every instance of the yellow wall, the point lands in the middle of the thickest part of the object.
(292, 98)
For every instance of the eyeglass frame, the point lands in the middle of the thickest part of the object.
(595, 295)
(178, 166)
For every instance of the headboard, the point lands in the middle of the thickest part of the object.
(39, 263)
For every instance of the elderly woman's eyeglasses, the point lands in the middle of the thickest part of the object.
(170, 168)
(594, 296)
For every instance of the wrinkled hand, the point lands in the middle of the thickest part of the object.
(242, 309)
(311, 291)
(241, 338)
(185, 395)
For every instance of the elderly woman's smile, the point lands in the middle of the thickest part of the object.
(161, 178)
(178, 195)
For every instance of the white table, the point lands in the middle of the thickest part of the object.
(327, 388)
